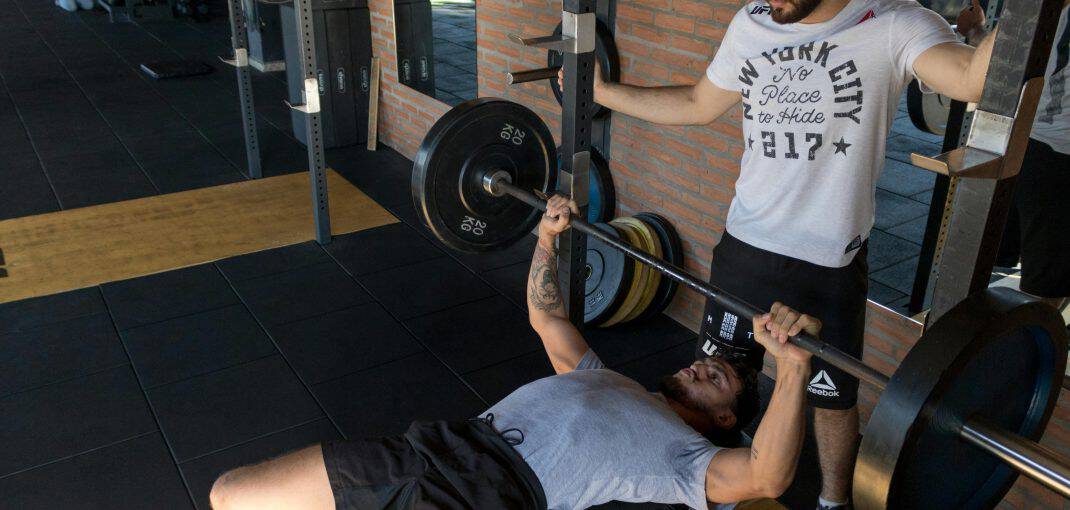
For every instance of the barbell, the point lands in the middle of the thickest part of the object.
(955, 423)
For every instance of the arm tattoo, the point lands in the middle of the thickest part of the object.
(544, 293)
(753, 453)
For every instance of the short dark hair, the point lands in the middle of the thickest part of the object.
(746, 405)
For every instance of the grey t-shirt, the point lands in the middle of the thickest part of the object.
(593, 435)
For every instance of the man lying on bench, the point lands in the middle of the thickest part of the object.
(585, 436)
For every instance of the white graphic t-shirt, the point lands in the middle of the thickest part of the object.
(1052, 123)
(818, 100)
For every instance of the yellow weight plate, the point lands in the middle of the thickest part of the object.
(652, 245)
(639, 276)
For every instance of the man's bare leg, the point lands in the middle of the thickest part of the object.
(297, 480)
(836, 433)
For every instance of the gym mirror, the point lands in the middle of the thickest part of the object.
(436, 47)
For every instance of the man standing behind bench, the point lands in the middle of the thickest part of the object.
(819, 81)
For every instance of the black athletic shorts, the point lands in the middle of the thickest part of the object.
(1038, 226)
(836, 296)
(434, 465)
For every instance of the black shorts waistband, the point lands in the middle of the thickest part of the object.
(486, 453)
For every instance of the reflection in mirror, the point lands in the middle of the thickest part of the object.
(436, 47)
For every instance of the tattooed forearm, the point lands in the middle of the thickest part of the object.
(544, 293)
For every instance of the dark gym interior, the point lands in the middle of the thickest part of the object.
(138, 393)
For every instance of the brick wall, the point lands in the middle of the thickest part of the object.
(686, 174)
(404, 114)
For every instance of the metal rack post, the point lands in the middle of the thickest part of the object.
(314, 126)
(239, 41)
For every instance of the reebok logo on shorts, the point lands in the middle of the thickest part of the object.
(822, 385)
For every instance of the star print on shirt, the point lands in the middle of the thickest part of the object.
(841, 146)
(750, 142)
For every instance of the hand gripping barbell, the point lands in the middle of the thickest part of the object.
(954, 425)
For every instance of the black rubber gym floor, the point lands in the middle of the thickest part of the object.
(80, 125)
(136, 394)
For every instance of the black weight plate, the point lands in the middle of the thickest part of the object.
(602, 184)
(471, 139)
(608, 274)
(602, 196)
(928, 112)
(998, 355)
(605, 51)
(673, 251)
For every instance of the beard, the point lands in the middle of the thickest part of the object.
(800, 9)
(675, 390)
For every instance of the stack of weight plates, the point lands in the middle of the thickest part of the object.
(621, 290)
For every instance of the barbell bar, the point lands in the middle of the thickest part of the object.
(1042, 464)
(498, 183)
(963, 379)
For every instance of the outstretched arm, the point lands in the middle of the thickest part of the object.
(767, 468)
(681, 105)
(564, 344)
(958, 70)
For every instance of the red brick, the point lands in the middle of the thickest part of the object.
(696, 46)
(629, 12)
(710, 31)
(673, 22)
(701, 10)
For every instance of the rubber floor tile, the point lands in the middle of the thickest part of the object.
(496, 382)
(59, 420)
(228, 407)
(476, 335)
(381, 248)
(162, 296)
(196, 344)
(512, 282)
(300, 293)
(634, 340)
(32, 312)
(386, 399)
(58, 351)
(426, 287)
(136, 473)
(514, 254)
(26, 189)
(277, 260)
(329, 346)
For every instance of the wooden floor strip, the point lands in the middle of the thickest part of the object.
(78, 248)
